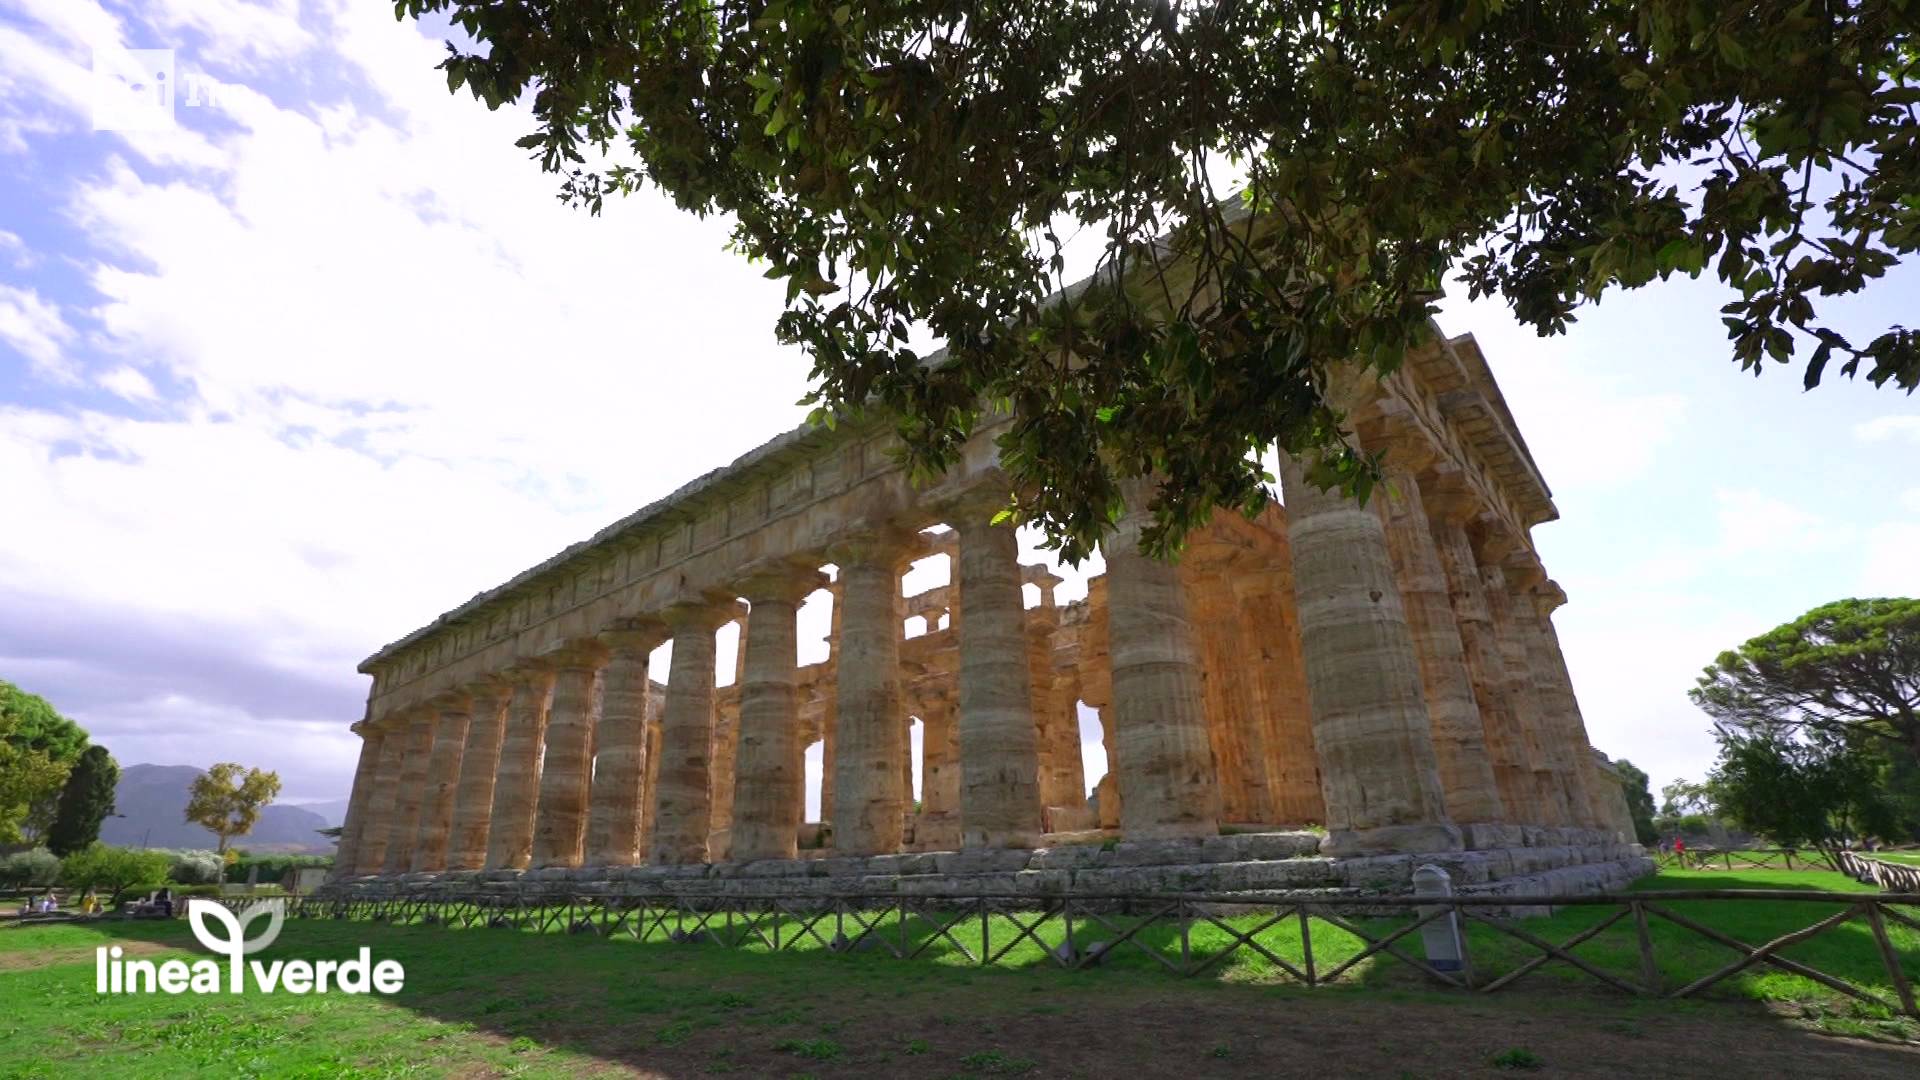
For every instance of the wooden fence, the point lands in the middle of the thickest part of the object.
(1078, 932)
(1756, 859)
(1889, 876)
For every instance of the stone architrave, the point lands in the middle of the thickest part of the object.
(1370, 725)
(560, 824)
(999, 751)
(409, 792)
(443, 784)
(769, 771)
(620, 760)
(516, 791)
(479, 772)
(371, 857)
(1467, 783)
(347, 851)
(870, 730)
(1165, 759)
(683, 807)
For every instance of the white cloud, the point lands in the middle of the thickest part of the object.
(1755, 523)
(1889, 428)
(1891, 561)
(129, 384)
(34, 327)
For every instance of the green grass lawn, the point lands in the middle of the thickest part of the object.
(1910, 858)
(503, 1002)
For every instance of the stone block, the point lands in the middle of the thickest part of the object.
(983, 861)
(1071, 857)
(1380, 873)
(1152, 853)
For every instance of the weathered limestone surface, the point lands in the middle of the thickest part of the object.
(1487, 667)
(1000, 764)
(682, 807)
(1370, 726)
(479, 772)
(769, 766)
(560, 825)
(1550, 792)
(347, 853)
(871, 734)
(1160, 724)
(443, 784)
(409, 793)
(516, 791)
(620, 765)
(371, 858)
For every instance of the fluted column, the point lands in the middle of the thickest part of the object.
(1266, 599)
(940, 768)
(560, 824)
(435, 831)
(870, 731)
(1165, 767)
(620, 759)
(1486, 666)
(516, 791)
(769, 771)
(999, 751)
(347, 851)
(1571, 752)
(1467, 784)
(683, 803)
(1370, 725)
(371, 858)
(479, 772)
(409, 791)
(1549, 794)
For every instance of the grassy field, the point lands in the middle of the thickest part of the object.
(494, 1002)
(1910, 858)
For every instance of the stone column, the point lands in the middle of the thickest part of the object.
(682, 801)
(1370, 726)
(560, 825)
(1549, 794)
(371, 858)
(1165, 759)
(348, 849)
(999, 752)
(870, 731)
(479, 771)
(940, 747)
(620, 765)
(435, 831)
(1266, 598)
(409, 792)
(1486, 664)
(769, 771)
(1467, 784)
(1571, 752)
(515, 793)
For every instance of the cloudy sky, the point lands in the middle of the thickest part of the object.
(284, 378)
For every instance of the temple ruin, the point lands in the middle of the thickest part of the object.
(1325, 696)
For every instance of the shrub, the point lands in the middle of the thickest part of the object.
(194, 867)
(36, 868)
(114, 870)
(273, 868)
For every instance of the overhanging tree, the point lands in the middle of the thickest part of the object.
(1849, 670)
(226, 800)
(1808, 789)
(905, 163)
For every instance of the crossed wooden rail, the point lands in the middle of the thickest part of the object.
(1756, 859)
(907, 927)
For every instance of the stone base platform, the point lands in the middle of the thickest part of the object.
(1543, 862)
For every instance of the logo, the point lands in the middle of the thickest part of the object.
(116, 974)
(133, 89)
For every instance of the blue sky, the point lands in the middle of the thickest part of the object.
(284, 379)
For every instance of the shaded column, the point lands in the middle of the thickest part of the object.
(1486, 663)
(516, 791)
(479, 772)
(371, 857)
(409, 791)
(1549, 794)
(1467, 785)
(1370, 726)
(999, 751)
(769, 772)
(347, 851)
(940, 770)
(869, 732)
(620, 762)
(1165, 760)
(682, 806)
(1266, 599)
(435, 830)
(1570, 752)
(560, 823)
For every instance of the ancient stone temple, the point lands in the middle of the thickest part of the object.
(1323, 697)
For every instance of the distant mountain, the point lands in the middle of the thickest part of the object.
(335, 811)
(150, 806)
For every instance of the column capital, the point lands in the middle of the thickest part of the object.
(641, 633)
(973, 501)
(1547, 596)
(877, 544)
(574, 654)
(529, 671)
(779, 580)
(705, 610)
(450, 701)
(489, 686)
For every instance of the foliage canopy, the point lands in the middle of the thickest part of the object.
(114, 869)
(1639, 792)
(85, 801)
(923, 163)
(1811, 789)
(226, 800)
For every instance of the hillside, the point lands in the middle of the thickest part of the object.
(150, 806)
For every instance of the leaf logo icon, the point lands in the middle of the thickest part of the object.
(233, 942)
